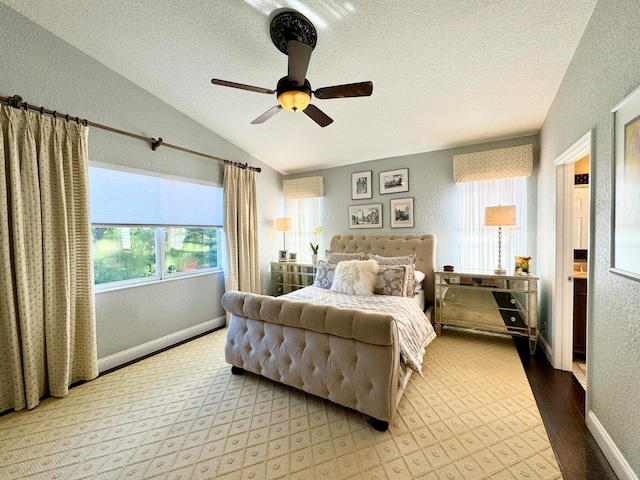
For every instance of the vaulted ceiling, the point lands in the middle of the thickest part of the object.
(445, 73)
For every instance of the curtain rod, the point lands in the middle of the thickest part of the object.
(16, 102)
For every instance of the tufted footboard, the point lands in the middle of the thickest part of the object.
(349, 357)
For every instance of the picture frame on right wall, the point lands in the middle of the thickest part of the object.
(402, 213)
(394, 181)
(625, 194)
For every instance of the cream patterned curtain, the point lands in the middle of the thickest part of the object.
(241, 229)
(47, 311)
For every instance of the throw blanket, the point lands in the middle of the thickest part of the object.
(414, 329)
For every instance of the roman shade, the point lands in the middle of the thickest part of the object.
(126, 198)
(493, 164)
(308, 187)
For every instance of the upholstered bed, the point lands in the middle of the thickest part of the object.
(355, 350)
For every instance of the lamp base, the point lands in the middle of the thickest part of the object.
(500, 271)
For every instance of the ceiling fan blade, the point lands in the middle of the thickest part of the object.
(267, 115)
(318, 116)
(361, 89)
(241, 86)
(299, 55)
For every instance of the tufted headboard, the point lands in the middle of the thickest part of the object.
(390, 245)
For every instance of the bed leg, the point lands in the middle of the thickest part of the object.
(237, 370)
(379, 425)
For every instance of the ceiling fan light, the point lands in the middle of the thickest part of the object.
(294, 100)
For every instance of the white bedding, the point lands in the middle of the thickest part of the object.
(414, 329)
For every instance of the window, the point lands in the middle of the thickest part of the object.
(147, 227)
(303, 203)
(477, 244)
(307, 216)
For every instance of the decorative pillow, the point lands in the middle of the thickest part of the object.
(420, 276)
(335, 257)
(324, 275)
(392, 280)
(355, 277)
(409, 260)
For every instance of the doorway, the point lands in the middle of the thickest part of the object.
(573, 213)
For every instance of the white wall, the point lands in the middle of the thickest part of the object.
(46, 71)
(603, 71)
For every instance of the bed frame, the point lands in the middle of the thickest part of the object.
(347, 356)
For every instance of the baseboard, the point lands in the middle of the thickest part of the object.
(546, 349)
(616, 459)
(131, 354)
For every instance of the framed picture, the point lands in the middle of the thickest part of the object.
(361, 185)
(293, 257)
(394, 181)
(283, 255)
(365, 216)
(625, 194)
(401, 212)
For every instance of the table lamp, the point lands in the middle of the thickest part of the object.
(284, 225)
(499, 216)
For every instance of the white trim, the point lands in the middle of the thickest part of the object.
(576, 151)
(562, 314)
(546, 349)
(617, 461)
(153, 346)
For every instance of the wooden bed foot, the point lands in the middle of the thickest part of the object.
(237, 370)
(379, 425)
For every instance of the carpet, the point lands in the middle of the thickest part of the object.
(181, 414)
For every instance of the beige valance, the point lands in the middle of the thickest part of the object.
(307, 187)
(493, 164)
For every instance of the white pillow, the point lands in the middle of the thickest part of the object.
(420, 276)
(355, 277)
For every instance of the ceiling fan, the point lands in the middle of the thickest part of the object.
(296, 37)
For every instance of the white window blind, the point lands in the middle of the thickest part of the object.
(493, 164)
(307, 216)
(125, 198)
(477, 244)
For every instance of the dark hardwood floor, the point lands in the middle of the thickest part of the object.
(560, 399)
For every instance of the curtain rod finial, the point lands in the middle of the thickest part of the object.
(15, 101)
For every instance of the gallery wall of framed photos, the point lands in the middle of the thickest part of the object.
(370, 215)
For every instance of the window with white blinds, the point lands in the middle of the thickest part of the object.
(477, 244)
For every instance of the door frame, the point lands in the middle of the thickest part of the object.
(562, 326)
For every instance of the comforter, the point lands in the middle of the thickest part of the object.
(415, 331)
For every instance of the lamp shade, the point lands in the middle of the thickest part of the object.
(500, 215)
(284, 224)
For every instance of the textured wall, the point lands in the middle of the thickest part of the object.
(604, 70)
(430, 184)
(46, 71)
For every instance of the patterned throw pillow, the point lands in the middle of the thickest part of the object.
(324, 276)
(409, 260)
(335, 257)
(392, 280)
(355, 277)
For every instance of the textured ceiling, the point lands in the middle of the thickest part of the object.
(445, 72)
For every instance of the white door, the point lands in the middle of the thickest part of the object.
(580, 216)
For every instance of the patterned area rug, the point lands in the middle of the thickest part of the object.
(183, 415)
